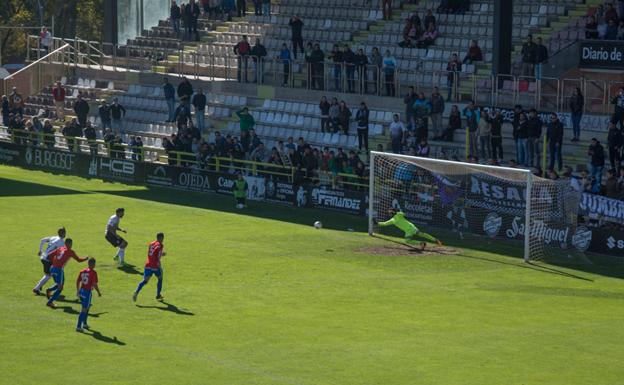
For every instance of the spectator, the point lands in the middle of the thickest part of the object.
(105, 115)
(597, 161)
(614, 143)
(610, 14)
(361, 117)
(266, 7)
(361, 61)
(118, 112)
(618, 112)
(344, 117)
(169, 93)
(6, 110)
(285, 57)
(349, 59)
(45, 38)
(554, 134)
(71, 131)
(396, 134)
(611, 186)
(254, 140)
(429, 19)
(324, 108)
(485, 136)
(337, 57)
(437, 109)
(241, 8)
(174, 16)
(37, 129)
(541, 57)
(185, 89)
(81, 108)
(257, 7)
(620, 179)
(91, 136)
(58, 94)
(192, 13)
(422, 149)
(453, 68)
(534, 133)
(454, 123)
(474, 53)
(497, 137)
(422, 107)
(386, 9)
(247, 121)
(591, 28)
(16, 103)
(258, 53)
(389, 67)
(48, 134)
(317, 60)
(473, 116)
(620, 31)
(182, 114)
(529, 56)
(199, 102)
(612, 30)
(576, 108)
(428, 38)
(334, 112)
(521, 135)
(242, 49)
(259, 154)
(296, 26)
(409, 101)
(377, 62)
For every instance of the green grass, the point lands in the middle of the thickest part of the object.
(261, 297)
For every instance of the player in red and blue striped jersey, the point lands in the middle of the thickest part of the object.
(153, 267)
(59, 258)
(86, 282)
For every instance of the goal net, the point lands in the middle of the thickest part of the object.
(485, 205)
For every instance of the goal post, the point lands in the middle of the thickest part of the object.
(500, 204)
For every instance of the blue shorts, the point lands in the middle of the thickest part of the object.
(149, 271)
(58, 275)
(85, 298)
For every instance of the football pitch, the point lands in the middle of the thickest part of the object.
(259, 296)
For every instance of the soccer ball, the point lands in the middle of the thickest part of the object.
(318, 224)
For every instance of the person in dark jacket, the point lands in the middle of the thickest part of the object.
(174, 16)
(361, 61)
(199, 102)
(182, 114)
(336, 56)
(317, 61)
(169, 93)
(136, 146)
(70, 131)
(618, 112)
(614, 143)
(241, 8)
(91, 136)
(117, 114)
(258, 53)
(437, 109)
(192, 13)
(596, 153)
(529, 55)
(576, 108)
(5, 110)
(497, 137)
(534, 128)
(541, 57)
(554, 134)
(349, 59)
(296, 27)
(344, 117)
(361, 117)
(81, 108)
(521, 135)
(185, 89)
(48, 134)
(242, 50)
(324, 109)
(453, 67)
(409, 100)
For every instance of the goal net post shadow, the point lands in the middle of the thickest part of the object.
(483, 201)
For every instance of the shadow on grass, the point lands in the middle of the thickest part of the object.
(169, 307)
(331, 219)
(129, 269)
(16, 188)
(101, 337)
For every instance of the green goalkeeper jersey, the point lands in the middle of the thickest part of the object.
(399, 221)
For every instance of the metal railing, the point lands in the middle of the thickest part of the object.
(550, 94)
(78, 144)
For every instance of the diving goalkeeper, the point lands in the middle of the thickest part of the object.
(411, 231)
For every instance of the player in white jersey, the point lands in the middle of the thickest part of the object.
(53, 243)
(111, 235)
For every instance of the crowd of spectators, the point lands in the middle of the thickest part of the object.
(606, 22)
(419, 34)
(185, 16)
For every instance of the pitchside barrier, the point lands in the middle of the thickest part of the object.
(281, 185)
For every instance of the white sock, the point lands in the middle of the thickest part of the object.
(42, 282)
(121, 254)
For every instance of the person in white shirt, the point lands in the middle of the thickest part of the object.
(53, 243)
(396, 134)
(113, 238)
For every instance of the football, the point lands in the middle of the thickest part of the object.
(318, 224)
